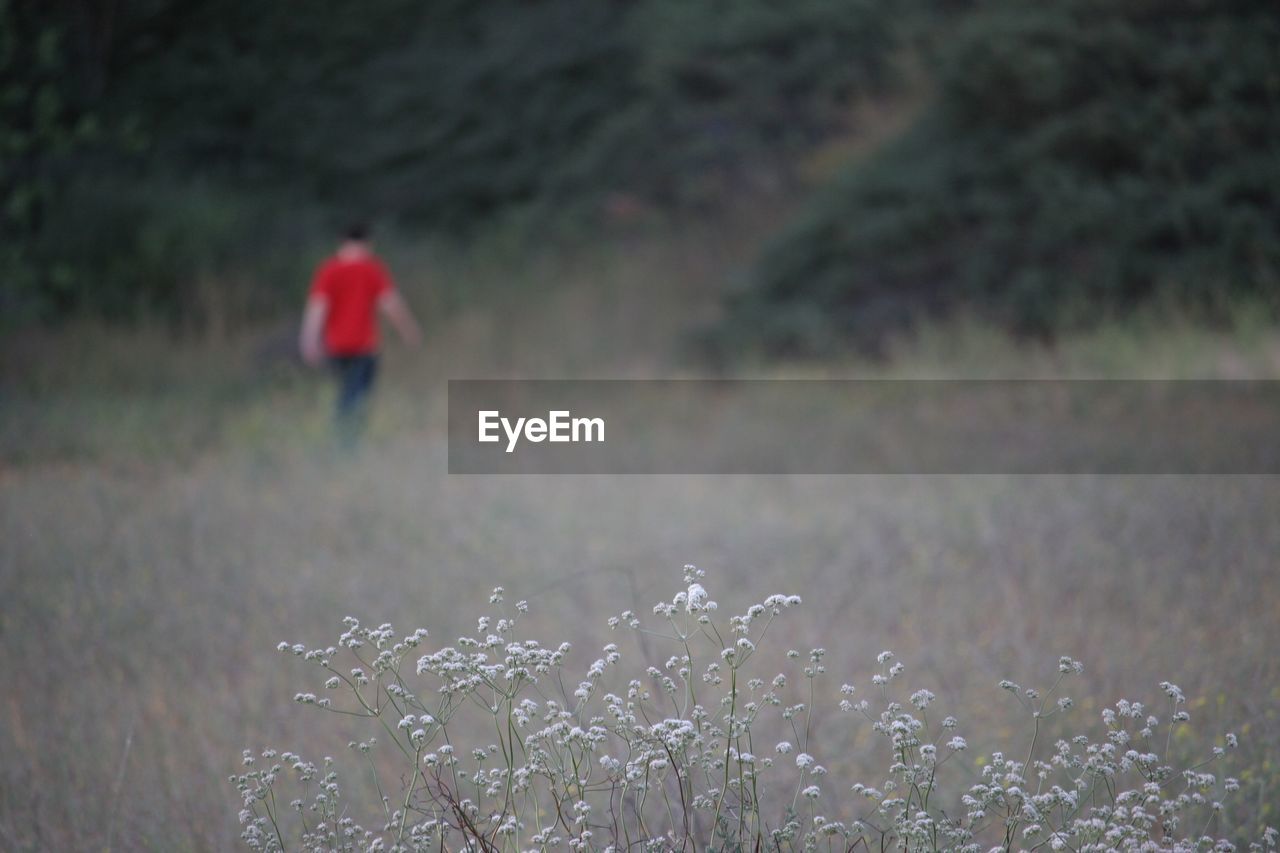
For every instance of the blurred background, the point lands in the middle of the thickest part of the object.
(603, 189)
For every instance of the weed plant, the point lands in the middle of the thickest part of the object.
(680, 752)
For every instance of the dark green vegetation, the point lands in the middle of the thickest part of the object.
(187, 159)
(154, 146)
(1080, 159)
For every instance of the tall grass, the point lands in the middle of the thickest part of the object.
(157, 534)
(495, 750)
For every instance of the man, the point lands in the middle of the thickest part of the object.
(340, 323)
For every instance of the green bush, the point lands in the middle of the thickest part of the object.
(727, 87)
(450, 113)
(1082, 159)
(445, 115)
(186, 253)
(39, 132)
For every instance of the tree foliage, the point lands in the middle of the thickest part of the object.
(1082, 159)
(39, 132)
(441, 115)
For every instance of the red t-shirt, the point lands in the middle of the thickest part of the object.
(352, 287)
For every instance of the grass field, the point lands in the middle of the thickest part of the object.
(168, 514)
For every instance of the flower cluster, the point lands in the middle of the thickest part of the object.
(675, 753)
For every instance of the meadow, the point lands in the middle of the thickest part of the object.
(170, 512)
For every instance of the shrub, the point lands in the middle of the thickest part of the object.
(710, 750)
(453, 112)
(724, 91)
(1082, 159)
(450, 115)
(186, 253)
(39, 132)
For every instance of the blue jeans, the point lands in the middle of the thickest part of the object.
(355, 380)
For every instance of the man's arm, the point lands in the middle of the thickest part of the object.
(309, 338)
(395, 309)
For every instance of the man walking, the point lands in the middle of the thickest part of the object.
(340, 324)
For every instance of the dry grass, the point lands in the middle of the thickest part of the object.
(149, 564)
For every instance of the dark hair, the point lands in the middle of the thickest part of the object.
(357, 231)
